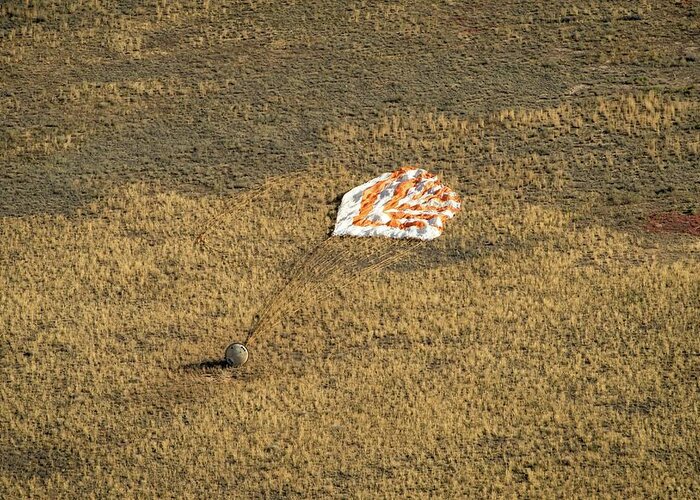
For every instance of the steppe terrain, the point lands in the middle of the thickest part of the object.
(547, 345)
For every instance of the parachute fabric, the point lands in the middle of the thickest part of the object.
(407, 203)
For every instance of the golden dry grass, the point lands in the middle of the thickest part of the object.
(560, 360)
(545, 346)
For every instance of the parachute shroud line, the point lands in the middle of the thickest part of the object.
(336, 259)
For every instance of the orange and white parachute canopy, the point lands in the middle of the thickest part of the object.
(407, 203)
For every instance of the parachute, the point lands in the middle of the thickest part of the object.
(407, 203)
(378, 222)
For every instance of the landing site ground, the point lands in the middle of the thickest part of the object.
(548, 344)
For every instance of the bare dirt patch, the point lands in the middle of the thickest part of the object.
(674, 223)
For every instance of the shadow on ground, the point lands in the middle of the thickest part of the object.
(205, 366)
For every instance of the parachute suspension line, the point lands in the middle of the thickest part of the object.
(382, 262)
(390, 259)
(282, 297)
(322, 265)
(245, 199)
(369, 258)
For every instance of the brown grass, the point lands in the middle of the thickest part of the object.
(545, 346)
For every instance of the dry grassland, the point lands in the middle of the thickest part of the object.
(545, 346)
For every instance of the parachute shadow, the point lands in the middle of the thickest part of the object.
(332, 213)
